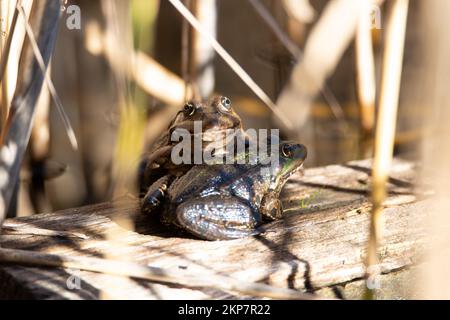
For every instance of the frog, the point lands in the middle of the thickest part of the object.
(231, 201)
(156, 171)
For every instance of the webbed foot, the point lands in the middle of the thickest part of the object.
(156, 194)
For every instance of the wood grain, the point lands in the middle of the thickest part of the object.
(320, 243)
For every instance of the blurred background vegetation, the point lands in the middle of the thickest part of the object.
(123, 75)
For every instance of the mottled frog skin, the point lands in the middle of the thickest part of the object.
(219, 202)
(156, 171)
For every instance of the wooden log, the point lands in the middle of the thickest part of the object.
(320, 243)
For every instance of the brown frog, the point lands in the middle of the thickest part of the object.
(157, 170)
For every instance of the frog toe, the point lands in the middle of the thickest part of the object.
(155, 194)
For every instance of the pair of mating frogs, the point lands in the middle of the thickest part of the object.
(215, 201)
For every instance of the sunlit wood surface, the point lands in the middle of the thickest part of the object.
(318, 247)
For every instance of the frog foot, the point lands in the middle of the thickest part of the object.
(271, 208)
(156, 194)
(217, 218)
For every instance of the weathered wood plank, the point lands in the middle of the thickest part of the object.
(320, 242)
(396, 285)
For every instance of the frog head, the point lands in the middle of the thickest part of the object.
(289, 160)
(291, 156)
(216, 115)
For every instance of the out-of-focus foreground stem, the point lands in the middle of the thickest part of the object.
(385, 130)
(365, 72)
(430, 92)
(27, 92)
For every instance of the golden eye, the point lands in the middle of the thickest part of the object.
(286, 151)
(189, 109)
(226, 103)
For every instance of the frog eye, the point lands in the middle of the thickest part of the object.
(225, 103)
(189, 109)
(286, 151)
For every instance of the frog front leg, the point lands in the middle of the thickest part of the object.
(271, 208)
(156, 194)
(217, 218)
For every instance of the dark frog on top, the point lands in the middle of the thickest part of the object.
(219, 202)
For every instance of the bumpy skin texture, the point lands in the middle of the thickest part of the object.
(156, 170)
(219, 202)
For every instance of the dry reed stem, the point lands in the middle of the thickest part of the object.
(365, 72)
(385, 130)
(44, 18)
(430, 91)
(7, 46)
(232, 63)
(148, 74)
(48, 80)
(202, 61)
(326, 44)
(6, 49)
(301, 10)
(186, 51)
(297, 53)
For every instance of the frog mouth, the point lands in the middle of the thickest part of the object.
(212, 135)
(285, 177)
(291, 172)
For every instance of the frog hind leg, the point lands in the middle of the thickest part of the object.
(217, 218)
(141, 178)
(156, 194)
(149, 168)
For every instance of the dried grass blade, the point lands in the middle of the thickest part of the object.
(48, 81)
(232, 63)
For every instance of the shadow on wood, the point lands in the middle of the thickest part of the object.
(319, 244)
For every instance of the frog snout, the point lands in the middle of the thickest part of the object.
(300, 152)
(294, 151)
